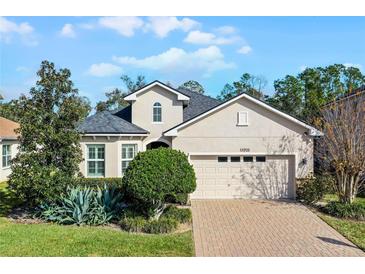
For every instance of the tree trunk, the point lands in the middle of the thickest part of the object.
(347, 187)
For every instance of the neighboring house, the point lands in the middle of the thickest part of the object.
(240, 148)
(8, 146)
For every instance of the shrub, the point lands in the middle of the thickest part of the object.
(37, 184)
(180, 198)
(141, 224)
(99, 182)
(342, 210)
(162, 225)
(182, 215)
(155, 175)
(84, 206)
(312, 189)
(133, 224)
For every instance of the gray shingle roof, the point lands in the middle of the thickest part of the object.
(108, 122)
(198, 103)
(119, 121)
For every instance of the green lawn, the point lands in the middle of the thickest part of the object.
(56, 240)
(352, 230)
(333, 197)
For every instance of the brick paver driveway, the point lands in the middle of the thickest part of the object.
(264, 228)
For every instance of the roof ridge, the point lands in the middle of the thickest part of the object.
(197, 93)
(256, 100)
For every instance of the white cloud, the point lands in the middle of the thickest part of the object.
(86, 26)
(22, 69)
(125, 26)
(68, 31)
(225, 30)
(206, 38)
(104, 69)
(162, 26)
(24, 30)
(244, 50)
(353, 65)
(302, 68)
(176, 60)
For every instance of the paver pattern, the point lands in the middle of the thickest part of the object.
(264, 228)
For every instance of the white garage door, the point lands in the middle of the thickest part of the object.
(243, 177)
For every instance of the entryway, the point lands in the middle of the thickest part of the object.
(157, 144)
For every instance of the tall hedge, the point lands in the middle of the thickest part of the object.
(155, 175)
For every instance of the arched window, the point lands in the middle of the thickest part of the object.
(157, 110)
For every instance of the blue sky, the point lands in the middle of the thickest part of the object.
(211, 50)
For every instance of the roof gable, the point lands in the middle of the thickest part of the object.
(7, 128)
(174, 131)
(180, 96)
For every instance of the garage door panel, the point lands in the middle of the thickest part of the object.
(272, 179)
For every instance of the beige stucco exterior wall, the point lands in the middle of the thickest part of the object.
(113, 150)
(142, 109)
(5, 172)
(267, 133)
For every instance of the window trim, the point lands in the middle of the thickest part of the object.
(239, 159)
(264, 159)
(95, 160)
(248, 157)
(222, 157)
(239, 120)
(7, 156)
(135, 152)
(158, 107)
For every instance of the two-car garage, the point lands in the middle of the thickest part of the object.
(243, 176)
(245, 149)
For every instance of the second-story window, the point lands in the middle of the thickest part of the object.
(157, 113)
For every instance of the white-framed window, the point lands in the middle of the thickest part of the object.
(95, 160)
(129, 151)
(242, 118)
(6, 156)
(157, 112)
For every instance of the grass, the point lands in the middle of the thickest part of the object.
(56, 240)
(351, 229)
(333, 197)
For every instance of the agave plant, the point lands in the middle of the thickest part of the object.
(84, 206)
(78, 203)
(110, 198)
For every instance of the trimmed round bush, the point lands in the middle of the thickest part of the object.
(155, 175)
(181, 199)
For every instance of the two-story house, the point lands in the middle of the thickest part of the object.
(240, 148)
